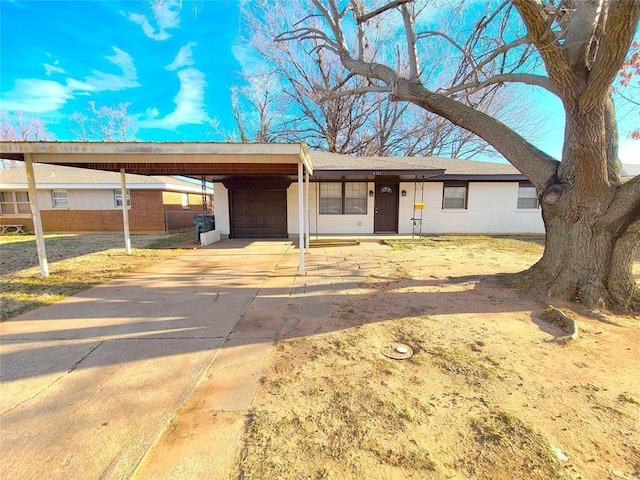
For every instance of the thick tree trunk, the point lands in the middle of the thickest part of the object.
(591, 217)
(586, 262)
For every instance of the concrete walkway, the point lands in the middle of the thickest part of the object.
(151, 376)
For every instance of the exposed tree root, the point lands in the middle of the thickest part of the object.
(555, 315)
(600, 317)
(536, 284)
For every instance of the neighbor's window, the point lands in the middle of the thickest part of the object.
(185, 201)
(343, 198)
(117, 196)
(14, 203)
(59, 199)
(455, 195)
(527, 196)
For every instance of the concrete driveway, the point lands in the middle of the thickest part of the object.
(91, 383)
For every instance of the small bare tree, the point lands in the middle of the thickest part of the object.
(105, 124)
(20, 127)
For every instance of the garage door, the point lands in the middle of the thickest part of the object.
(258, 213)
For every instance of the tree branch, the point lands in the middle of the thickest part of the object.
(498, 51)
(626, 201)
(332, 95)
(620, 27)
(410, 33)
(366, 17)
(538, 23)
(526, 78)
(532, 162)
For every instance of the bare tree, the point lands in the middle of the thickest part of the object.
(19, 127)
(359, 125)
(256, 108)
(573, 49)
(105, 124)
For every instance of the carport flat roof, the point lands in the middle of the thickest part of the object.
(166, 158)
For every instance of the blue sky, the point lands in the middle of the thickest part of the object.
(175, 65)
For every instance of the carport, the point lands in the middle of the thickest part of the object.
(256, 163)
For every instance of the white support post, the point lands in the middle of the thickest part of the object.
(35, 214)
(125, 212)
(307, 211)
(301, 217)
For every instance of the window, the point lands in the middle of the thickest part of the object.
(527, 196)
(355, 198)
(455, 195)
(185, 201)
(59, 199)
(14, 203)
(343, 198)
(117, 195)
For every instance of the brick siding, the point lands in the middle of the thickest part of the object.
(145, 216)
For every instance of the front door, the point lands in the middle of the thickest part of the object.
(386, 208)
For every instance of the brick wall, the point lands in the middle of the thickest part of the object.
(151, 212)
(145, 216)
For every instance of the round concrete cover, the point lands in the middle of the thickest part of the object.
(397, 350)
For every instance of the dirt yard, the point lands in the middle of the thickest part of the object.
(489, 393)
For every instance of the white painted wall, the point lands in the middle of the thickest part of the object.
(80, 200)
(328, 224)
(491, 208)
(221, 208)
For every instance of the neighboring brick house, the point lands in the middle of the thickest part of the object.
(81, 200)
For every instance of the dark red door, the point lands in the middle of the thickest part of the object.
(386, 208)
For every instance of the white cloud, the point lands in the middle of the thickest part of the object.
(100, 81)
(166, 15)
(147, 28)
(184, 58)
(189, 103)
(51, 69)
(36, 95)
(33, 95)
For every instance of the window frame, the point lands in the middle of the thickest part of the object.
(343, 198)
(521, 205)
(15, 204)
(117, 198)
(55, 200)
(456, 184)
(185, 201)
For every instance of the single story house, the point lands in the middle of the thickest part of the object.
(285, 191)
(382, 195)
(345, 195)
(82, 200)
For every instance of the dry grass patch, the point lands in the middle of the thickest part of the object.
(488, 393)
(76, 262)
